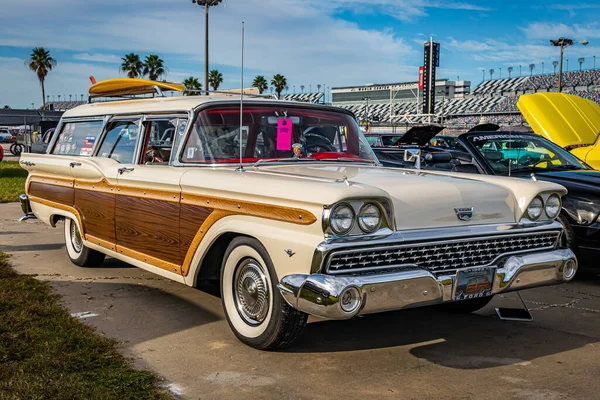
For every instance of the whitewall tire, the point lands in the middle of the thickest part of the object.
(254, 308)
(78, 253)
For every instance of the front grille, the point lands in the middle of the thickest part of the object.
(438, 256)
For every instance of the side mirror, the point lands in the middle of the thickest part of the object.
(413, 155)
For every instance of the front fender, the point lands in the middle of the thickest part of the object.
(275, 236)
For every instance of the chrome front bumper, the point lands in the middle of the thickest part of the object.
(26, 207)
(320, 294)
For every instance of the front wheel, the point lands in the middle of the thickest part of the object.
(255, 310)
(78, 253)
(465, 306)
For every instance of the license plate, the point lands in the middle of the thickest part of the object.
(473, 283)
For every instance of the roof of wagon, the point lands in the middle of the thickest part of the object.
(157, 105)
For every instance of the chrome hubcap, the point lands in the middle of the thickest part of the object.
(76, 238)
(251, 292)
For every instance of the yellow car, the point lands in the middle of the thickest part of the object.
(571, 122)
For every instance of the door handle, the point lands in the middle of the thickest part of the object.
(75, 164)
(121, 170)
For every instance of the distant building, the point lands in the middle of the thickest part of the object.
(398, 92)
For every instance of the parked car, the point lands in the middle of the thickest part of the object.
(313, 225)
(525, 155)
(5, 136)
(569, 121)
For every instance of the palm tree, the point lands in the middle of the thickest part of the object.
(132, 65)
(41, 63)
(6, 107)
(191, 83)
(260, 83)
(279, 82)
(302, 88)
(154, 67)
(215, 78)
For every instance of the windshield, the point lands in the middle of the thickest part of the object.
(514, 153)
(274, 132)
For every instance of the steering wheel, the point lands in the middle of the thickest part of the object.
(319, 147)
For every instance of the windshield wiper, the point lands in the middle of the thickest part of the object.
(567, 167)
(292, 159)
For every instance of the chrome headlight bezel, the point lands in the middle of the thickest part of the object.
(360, 217)
(332, 215)
(528, 212)
(385, 223)
(558, 206)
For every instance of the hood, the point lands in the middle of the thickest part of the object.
(419, 135)
(586, 181)
(564, 119)
(420, 199)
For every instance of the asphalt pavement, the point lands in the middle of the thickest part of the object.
(181, 334)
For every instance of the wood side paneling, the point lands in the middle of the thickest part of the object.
(55, 193)
(191, 219)
(98, 213)
(149, 227)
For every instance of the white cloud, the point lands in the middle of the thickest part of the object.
(551, 30)
(97, 57)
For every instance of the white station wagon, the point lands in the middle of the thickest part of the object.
(286, 206)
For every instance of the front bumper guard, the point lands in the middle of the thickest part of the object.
(320, 295)
(26, 207)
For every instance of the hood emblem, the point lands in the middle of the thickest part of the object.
(464, 213)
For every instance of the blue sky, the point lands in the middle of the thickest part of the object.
(327, 42)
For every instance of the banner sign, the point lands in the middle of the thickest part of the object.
(421, 77)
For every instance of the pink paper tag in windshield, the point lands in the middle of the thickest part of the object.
(284, 134)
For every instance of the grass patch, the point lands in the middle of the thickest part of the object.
(47, 354)
(12, 181)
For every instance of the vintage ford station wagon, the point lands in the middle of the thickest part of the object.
(286, 206)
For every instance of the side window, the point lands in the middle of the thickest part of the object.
(77, 138)
(120, 141)
(161, 139)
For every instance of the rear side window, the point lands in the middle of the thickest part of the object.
(120, 141)
(77, 138)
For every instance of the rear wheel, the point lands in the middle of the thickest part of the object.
(78, 253)
(255, 310)
(465, 306)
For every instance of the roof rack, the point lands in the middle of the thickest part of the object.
(127, 88)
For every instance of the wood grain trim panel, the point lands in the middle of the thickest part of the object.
(155, 262)
(52, 180)
(63, 207)
(101, 242)
(268, 211)
(54, 193)
(98, 213)
(95, 186)
(206, 225)
(153, 194)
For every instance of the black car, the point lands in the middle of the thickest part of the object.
(487, 150)
(530, 156)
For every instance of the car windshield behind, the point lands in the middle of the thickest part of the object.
(272, 132)
(514, 153)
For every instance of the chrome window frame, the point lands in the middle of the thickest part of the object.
(67, 120)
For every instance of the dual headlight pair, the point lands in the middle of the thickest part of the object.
(343, 218)
(537, 207)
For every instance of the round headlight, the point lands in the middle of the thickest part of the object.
(553, 206)
(535, 209)
(341, 219)
(369, 218)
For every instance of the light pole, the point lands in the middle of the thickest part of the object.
(206, 4)
(580, 60)
(510, 69)
(562, 43)
(519, 71)
(367, 111)
(482, 75)
(500, 72)
(491, 73)
(542, 68)
(531, 67)
(294, 86)
(555, 64)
